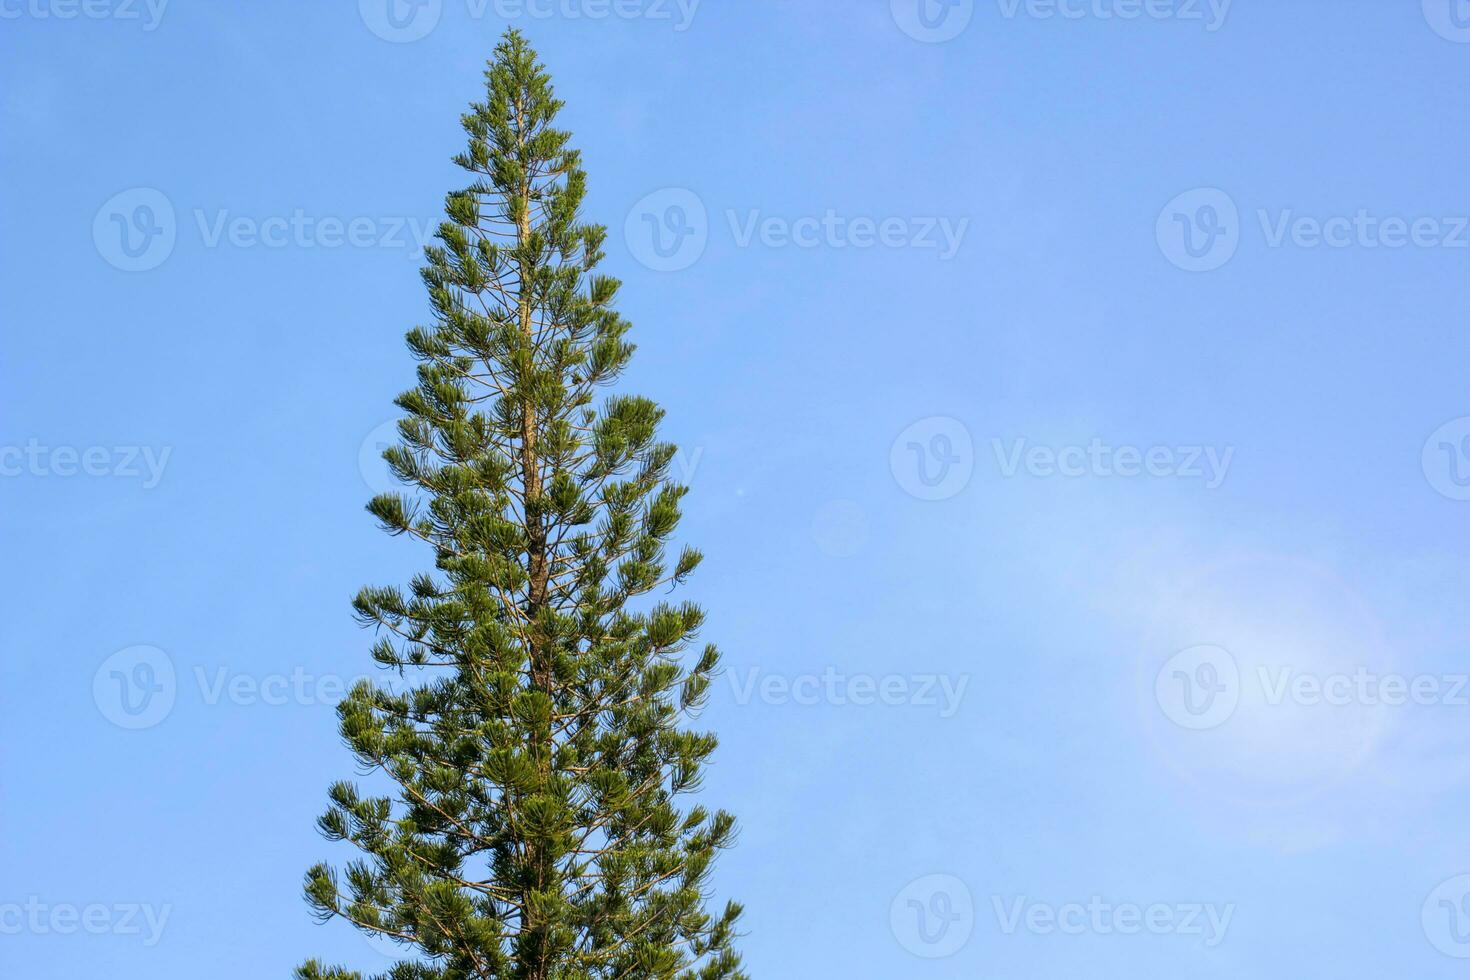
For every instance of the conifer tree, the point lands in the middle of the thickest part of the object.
(529, 824)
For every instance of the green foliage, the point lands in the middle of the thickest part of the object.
(535, 830)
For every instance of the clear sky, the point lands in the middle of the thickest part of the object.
(1074, 397)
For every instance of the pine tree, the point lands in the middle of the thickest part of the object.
(531, 826)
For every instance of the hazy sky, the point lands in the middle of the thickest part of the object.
(1074, 397)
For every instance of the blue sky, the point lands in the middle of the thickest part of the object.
(1073, 397)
